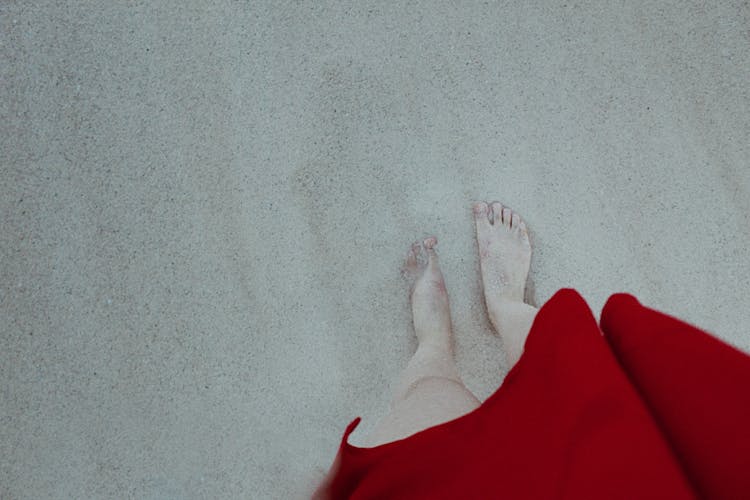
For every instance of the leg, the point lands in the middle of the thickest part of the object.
(429, 391)
(504, 258)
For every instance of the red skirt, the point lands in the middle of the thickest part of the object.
(654, 408)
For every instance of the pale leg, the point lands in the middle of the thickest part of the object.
(429, 390)
(505, 258)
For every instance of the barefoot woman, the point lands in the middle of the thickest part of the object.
(430, 390)
(642, 405)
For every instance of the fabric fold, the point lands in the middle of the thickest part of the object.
(581, 415)
(696, 387)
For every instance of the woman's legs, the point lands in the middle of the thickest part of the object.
(429, 390)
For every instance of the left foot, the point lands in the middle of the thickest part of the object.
(429, 297)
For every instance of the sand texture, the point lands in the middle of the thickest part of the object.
(205, 206)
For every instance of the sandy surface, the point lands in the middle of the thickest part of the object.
(204, 211)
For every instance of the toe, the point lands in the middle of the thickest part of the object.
(411, 258)
(479, 208)
(482, 215)
(497, 213)
(416, 251)
(419, 252)
(524, 232)
(429, 246)
(515, 221)
(507, 214)
(410, 269)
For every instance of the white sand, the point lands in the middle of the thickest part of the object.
(204, 211)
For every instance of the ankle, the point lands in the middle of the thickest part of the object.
(503, 307)
(511, 317)
(436, 346)
(507, 293)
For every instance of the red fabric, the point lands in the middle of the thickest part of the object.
(655, 408)
(696, 387)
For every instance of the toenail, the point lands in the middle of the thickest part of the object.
(479, 208)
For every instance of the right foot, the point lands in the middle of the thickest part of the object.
(429, 298)
(504, 254)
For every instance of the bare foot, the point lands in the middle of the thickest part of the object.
(504, 252)
(504, 259)
(429, 298)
